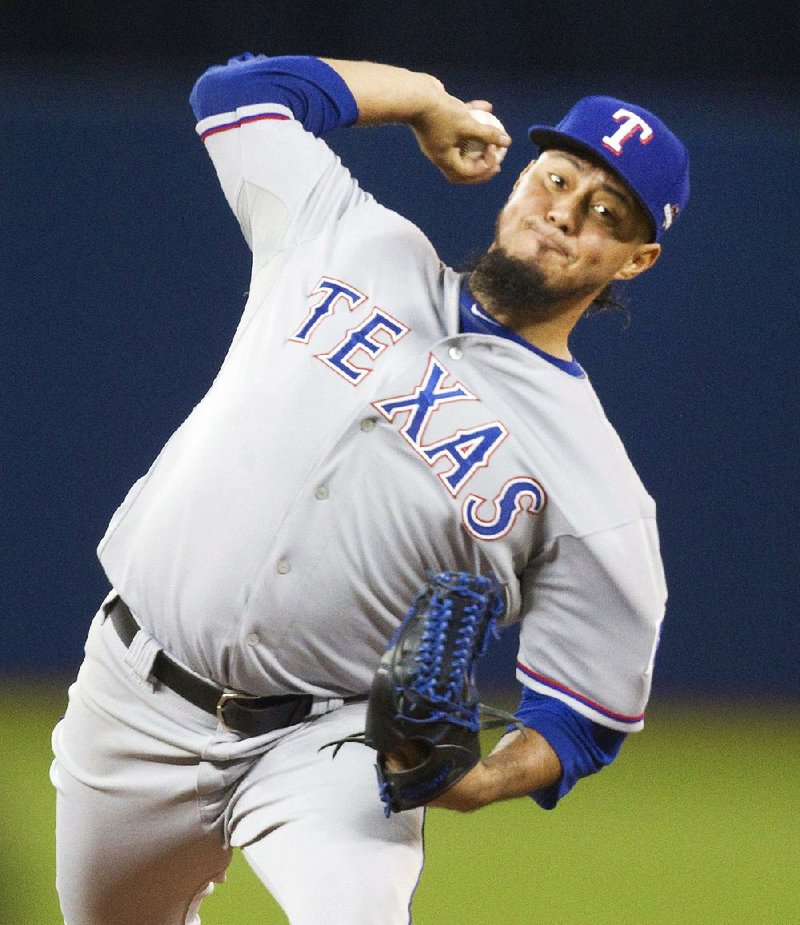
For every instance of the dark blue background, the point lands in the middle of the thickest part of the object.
(123, 275)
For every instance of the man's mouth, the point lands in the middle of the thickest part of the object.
(550, 241)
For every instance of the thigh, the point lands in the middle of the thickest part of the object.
(127, 858)
(132, 844)
(313, 829)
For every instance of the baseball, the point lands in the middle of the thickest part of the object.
(473, 148)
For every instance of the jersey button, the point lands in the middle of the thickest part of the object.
(455, 353)
(367, 425)
(284, 567)
(252, 639)
(321, 493)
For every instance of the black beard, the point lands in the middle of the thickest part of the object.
(514, 286)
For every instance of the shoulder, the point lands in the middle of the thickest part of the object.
(388, 239)
(560, 426)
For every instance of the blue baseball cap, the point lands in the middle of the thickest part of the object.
(638, 147)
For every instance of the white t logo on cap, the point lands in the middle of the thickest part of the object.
(627, 130)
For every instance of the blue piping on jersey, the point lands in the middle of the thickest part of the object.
(317, 96)
(476, 320)
(632, 721)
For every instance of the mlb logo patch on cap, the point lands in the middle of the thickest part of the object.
(635, 144)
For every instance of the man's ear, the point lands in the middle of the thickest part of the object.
(640, 260)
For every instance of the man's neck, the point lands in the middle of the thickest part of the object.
(550, 334)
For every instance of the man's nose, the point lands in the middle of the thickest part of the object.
(564, 214)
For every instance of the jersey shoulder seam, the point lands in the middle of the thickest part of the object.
(609, 529)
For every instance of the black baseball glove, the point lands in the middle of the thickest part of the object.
(423, 698)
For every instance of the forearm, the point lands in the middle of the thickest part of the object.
(385, 93)
(441, 123)
(521, 763)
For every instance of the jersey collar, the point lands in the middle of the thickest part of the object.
(474, 319)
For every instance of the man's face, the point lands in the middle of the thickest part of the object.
(576, 223)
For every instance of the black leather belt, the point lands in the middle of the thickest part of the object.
(242, 713)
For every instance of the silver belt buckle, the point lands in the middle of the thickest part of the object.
(226, 697)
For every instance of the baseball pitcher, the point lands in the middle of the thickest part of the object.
(394, 458)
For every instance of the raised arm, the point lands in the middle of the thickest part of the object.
(249, 112)
(441, 122)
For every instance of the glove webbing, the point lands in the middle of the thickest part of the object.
(439, 645)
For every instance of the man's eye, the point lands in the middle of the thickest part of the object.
(556, 179)
(604, 212)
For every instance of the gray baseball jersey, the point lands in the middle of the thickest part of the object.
(355, 438)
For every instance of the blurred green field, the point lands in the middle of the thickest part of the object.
(697, 822)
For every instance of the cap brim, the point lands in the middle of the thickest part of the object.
(545, 136)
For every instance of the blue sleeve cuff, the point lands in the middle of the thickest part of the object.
(583, 747)
(317, 96)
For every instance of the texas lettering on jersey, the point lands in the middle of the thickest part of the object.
(465, 451)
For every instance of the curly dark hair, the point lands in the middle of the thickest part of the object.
(611, 299)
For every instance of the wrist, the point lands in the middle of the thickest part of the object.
(428, 97)
(473, 791)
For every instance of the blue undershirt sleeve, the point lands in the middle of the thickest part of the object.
(583, 747)
(317, 96)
